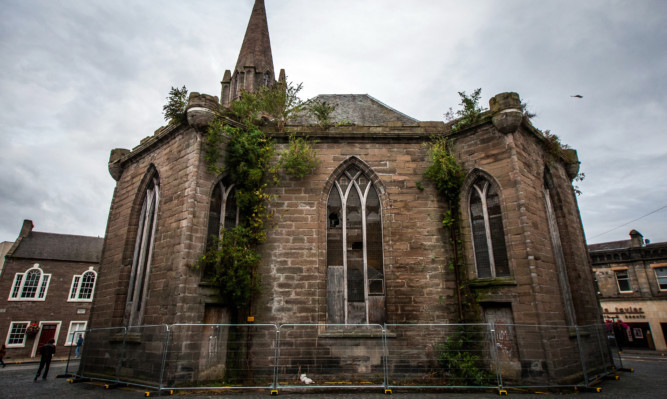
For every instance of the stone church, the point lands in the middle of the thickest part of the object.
(360, 240)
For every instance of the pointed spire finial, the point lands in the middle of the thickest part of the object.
(256, 48)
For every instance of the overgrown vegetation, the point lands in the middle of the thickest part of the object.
(281, 101)
(174, 110)
(559, 151)
(448, 175)
(300, 158)
(578, 178)
(247, 159)
(460, 358)
(556, 149)
(322, 111)
(470, 112)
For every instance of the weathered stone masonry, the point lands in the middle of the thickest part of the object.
(547, 280)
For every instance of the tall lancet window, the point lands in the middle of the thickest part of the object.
(487, 230)
(223, 213)
(561, 266)
(355, 266)
(143, 252)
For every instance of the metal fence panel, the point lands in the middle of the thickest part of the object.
(236, 356)
(596, 357)
(544, 356)
(220, 356)
(330, 355)
(143, 356)
(102, 352)
(440, 355)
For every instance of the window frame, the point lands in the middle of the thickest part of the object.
(657, 277)
(9, 333)
(627, 278)
(70, 333)
(344, 183)
(75, 293)
(143, 251)
(19, 285)
(483, 196)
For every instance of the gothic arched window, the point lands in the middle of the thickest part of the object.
(487, 230)
(143, 251)
(355, 266)
(223, 212)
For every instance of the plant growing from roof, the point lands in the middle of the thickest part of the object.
(470, 112)
(174, 110)
(322, 111)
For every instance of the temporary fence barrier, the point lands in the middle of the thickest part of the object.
(307, 356)
(330, 355)
(441, 355)
(220, 356)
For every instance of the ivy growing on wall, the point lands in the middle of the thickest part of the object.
(247, 159)
(448, 175)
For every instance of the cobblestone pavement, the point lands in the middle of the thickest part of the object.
(16, 381)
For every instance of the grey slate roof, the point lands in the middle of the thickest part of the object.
(60, 247)
(606, 246)
(359, 109)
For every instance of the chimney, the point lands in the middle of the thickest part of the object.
(637, 239)
(26, 228)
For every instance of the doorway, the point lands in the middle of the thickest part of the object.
(47, 332)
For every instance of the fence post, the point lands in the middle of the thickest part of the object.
(122, 355)
(275, 362)
(385, 358)
(581, 357)
(494, 355)
(165, 349)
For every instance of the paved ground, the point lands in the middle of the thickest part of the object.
(648, 380)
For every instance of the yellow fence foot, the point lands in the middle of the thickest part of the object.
(502, 392)
(387, 391)
(274, 392)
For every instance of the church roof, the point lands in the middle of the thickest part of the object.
(357, 109)
(63, 247)
(256, 47)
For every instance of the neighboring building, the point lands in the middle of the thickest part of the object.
(4, 248)
(49, 280)
(361, 239)
(631, 277)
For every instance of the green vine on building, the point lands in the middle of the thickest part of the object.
(247, 159)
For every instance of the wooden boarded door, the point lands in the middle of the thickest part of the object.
(506, 348)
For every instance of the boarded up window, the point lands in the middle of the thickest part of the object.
(143, 251)
(223, 212)
(355, 269)
(488, 234)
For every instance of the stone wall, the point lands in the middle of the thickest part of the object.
(419, 287)
(179, 238)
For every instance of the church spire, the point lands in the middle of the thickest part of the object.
(254, 67)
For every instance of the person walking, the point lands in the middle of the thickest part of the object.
(3, 352)
(79, 342)
(47, 352)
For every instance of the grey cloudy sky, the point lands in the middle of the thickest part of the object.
(78, 78)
